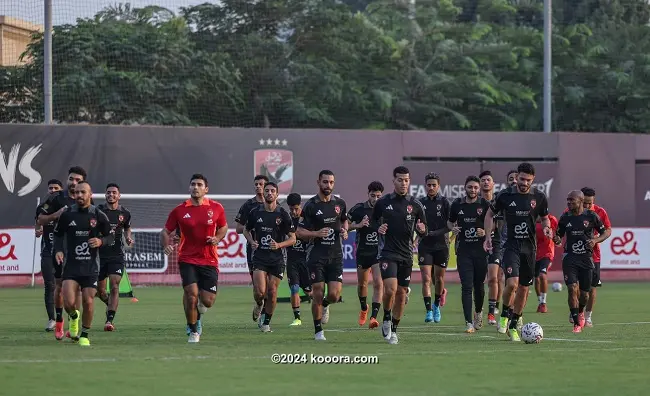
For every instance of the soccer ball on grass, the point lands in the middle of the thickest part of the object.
(532, 333)
(557, 287)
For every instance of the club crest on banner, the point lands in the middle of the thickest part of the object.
(275, 163)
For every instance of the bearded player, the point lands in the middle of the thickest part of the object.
(366, 254)
(203, 225)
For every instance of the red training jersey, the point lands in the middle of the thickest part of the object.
(545, 245)
(197, 223)
(604, 217)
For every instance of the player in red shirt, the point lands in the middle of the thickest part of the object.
(588, 204)
(543, 261)
(202, 223)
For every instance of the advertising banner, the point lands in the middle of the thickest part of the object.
(19, 251)
(627, 248)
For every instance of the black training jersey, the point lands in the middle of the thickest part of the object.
(366, 239)
(468, 217)
(297, 253)
(578, 230)
(318, 214)
(437, 213)
(48, 234)
(120, 220)
(498, 229)
(246, 208)
(71, 234)
(400, 213)
(521, 212)
(269, 226)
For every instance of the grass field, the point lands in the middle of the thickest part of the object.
(149, 354)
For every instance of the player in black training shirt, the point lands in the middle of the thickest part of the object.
(467, 215)
(297, 272)
(324, 224)
(112, 256)
(580, 227)
(78, 235)
(521, 206)
(400, 216)
(240, 224)
(50, 210)
(495, 273)
(47, 261)
(433, 249)
(366, 253)
(273, 231)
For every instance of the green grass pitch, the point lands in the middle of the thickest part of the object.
(149, 354)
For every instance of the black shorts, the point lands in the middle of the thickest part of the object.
(595, 282)
(542, 265)
(111, 266)
(325, 270)
(366, 262)
(298, 274)
(496, 257)
(578, 270)
(275, 269)
(438, 257)
(519, 264)
(400, 269)
(84, 282)
(205, 276)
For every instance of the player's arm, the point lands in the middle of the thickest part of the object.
(345, 224)
(250, 225)
(241, 218)
(166, 234)
(222, 225)
(446, 207)
(421, 218)
(51, 210)
(494, 209)
(608, 225)
(305, 226)
(354, 217)
(453, 214)
(561, 230)
(60, 229)
(289, 230)
(127, 228)
(107, 235)
(603, 232)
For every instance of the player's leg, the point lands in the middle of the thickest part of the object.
(362, 289)
(466, 275)
(526, 279)
(208, 278)
(257, 308)
(480, 263)
(591, 302)
(440, 259)
(47, 270)
(69, 292)
(585, 275)
(377, 291)
(403, 280)
(58, 300)
(570, 272)
(293, 278)
(493, 289)
(88, 291)
(190, 279)
(388, 270)
(426, 263)
(259, 292)
(541, 283)
(333, 273)
(511, 273)
(114, 280)
(274, 277)
(502, 285)
(102, 292)
(317, 275)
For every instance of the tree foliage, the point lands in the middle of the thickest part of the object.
(372, 64)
